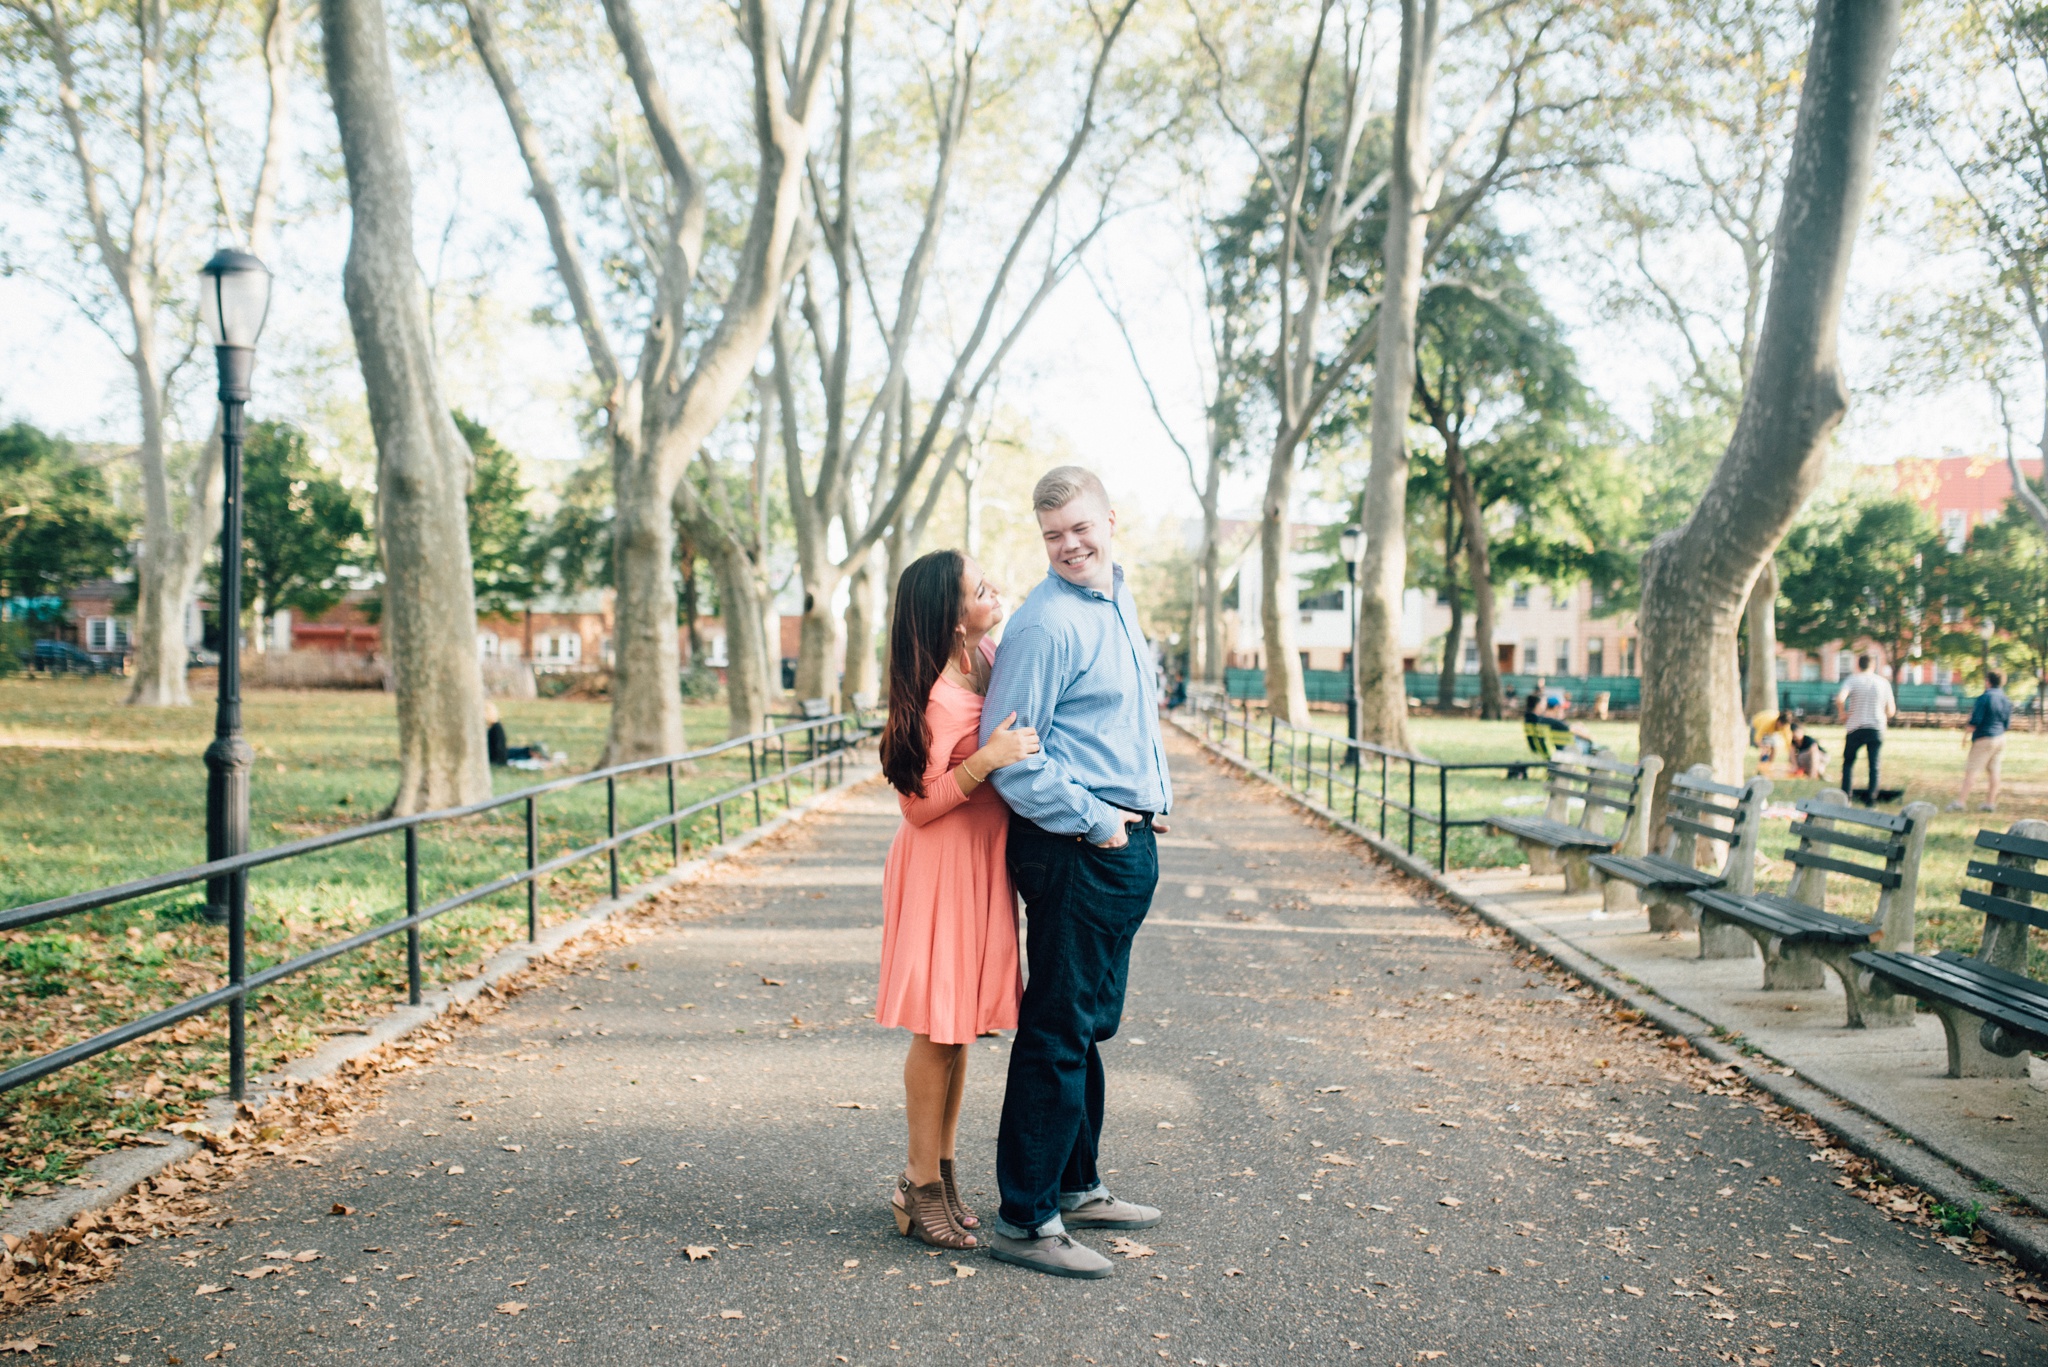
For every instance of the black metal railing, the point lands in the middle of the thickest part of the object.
(1288, 755)
(826, 742)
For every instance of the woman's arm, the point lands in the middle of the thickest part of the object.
(947, 787)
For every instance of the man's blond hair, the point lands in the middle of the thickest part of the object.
(1062, 484)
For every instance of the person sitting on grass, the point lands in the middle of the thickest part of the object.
(1809, 760)
(502, 754)
(1770, 732)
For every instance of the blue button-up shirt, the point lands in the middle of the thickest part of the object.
(1075, 667)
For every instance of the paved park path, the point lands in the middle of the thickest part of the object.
(1379, 1135)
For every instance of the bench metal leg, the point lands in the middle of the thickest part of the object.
(1578, 874)
(1720, 939)
(1792, 968)
(1618, 898)
(1671, 915)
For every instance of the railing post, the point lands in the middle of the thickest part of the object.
(1411, 804)
(1330, 774)
(412, 909)
(1383, 796)
(782, 756)
(611, 825)
(1272, 739)
(1247, 728)
(1351, 763)
(532, 858)
(238, 966)
(675, 827)
(754, 778)
(1443, 819)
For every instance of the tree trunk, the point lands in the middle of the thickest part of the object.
(1286, 692)
(1479, 564)
(1697, 578)
(1382, 689)
(818, 644)
(1762, 618)
(647, 700)
(750, 652)
(422, 462)
(863, 667)
(1209, 610)
(1447, 675)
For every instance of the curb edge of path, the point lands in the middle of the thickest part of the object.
(1903, 1153)
(114, 1175)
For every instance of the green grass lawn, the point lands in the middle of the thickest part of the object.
(1928, 763)
(97, 793)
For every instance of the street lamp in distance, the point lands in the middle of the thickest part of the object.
(1351, 544)
(234, 299)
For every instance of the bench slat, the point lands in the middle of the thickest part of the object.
(1807, 859)
(1696, 807)
(1679, 823)
(1960, 981)
(1556, 834)
(2007, 843)
(2004, 979)
(1707, 785)
(1654, 871)
(2005, 908)
(2007, 875)
(1821, 835)
(1861, 816)
(1784, 917)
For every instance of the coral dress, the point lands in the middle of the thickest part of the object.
(949, 926)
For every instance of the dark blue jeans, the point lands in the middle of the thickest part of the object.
(1083, 906)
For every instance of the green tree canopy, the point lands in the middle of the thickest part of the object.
(501, 531)
(58, 526)
(2004, 582)
(303, 531)
(1874, 567)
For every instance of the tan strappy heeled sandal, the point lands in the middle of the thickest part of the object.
(921, 1214)
(962, 1216)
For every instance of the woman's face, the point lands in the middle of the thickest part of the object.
(983, 598)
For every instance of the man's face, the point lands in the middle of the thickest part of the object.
(1077, 541)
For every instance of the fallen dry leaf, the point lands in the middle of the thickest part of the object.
(1325, 1091)
(24, 1345)
(1130, 1248)
(208, 1289)
(732, 1314)
(307, 1256)
(255, 1273)
(1233, 1272)
(1632, 1290)
(770, 982)
(851, 1262)
(511, 1307)
(962, 1272)
(512, 1148)
(1451, 1201)
(340, 1209)
(1339, 1159)
(456, 1171)
(849, 1106)
(627, 1162)
(699, 1252)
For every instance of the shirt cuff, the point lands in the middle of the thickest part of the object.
(1104, 822)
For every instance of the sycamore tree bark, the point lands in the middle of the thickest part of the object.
(1697, 579)
(1376, 655)
(1446, 680)
(1760, 622)
(131, 221)
(1478, 552)
(422, 461)
(660, 409)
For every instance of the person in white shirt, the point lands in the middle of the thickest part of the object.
(1865, 704)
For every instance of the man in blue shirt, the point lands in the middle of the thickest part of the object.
(1084, 810)
(1990, 719)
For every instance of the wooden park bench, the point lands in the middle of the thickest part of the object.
(1663, 882)
(1601, 786)
(1991, 1011)
(1798, 935)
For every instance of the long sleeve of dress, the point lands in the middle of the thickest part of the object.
(941, 789)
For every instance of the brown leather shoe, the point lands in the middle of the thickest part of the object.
(921, 1214)
(962, 1216)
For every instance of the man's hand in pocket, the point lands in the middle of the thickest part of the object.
(1123, 832)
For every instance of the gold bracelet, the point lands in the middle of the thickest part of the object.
(970, 773)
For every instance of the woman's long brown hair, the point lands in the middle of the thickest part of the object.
(929, 604)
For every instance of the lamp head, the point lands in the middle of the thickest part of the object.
(1352, 540)
(234, 298)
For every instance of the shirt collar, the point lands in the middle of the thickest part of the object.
(1115, 592)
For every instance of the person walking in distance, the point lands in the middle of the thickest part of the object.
(1074, 668)
(1990, 719)
(1865, 704)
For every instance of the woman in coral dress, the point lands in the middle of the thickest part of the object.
(949, 928)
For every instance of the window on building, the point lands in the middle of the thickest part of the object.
(1845, 664)
(1521, 598)
(487, 645)
(1471, 659)
(1443, 597)
(1564, 655)
(1332, 601)
(1532, 655)
(1955, 526)
(1599, 600)
(106, 635)
(561, 647)
(1596, 656)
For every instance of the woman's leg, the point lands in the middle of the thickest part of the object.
(956, 1086)
(930, 1097)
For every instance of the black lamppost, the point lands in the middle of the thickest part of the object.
(1351, 541)
(234, 296)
